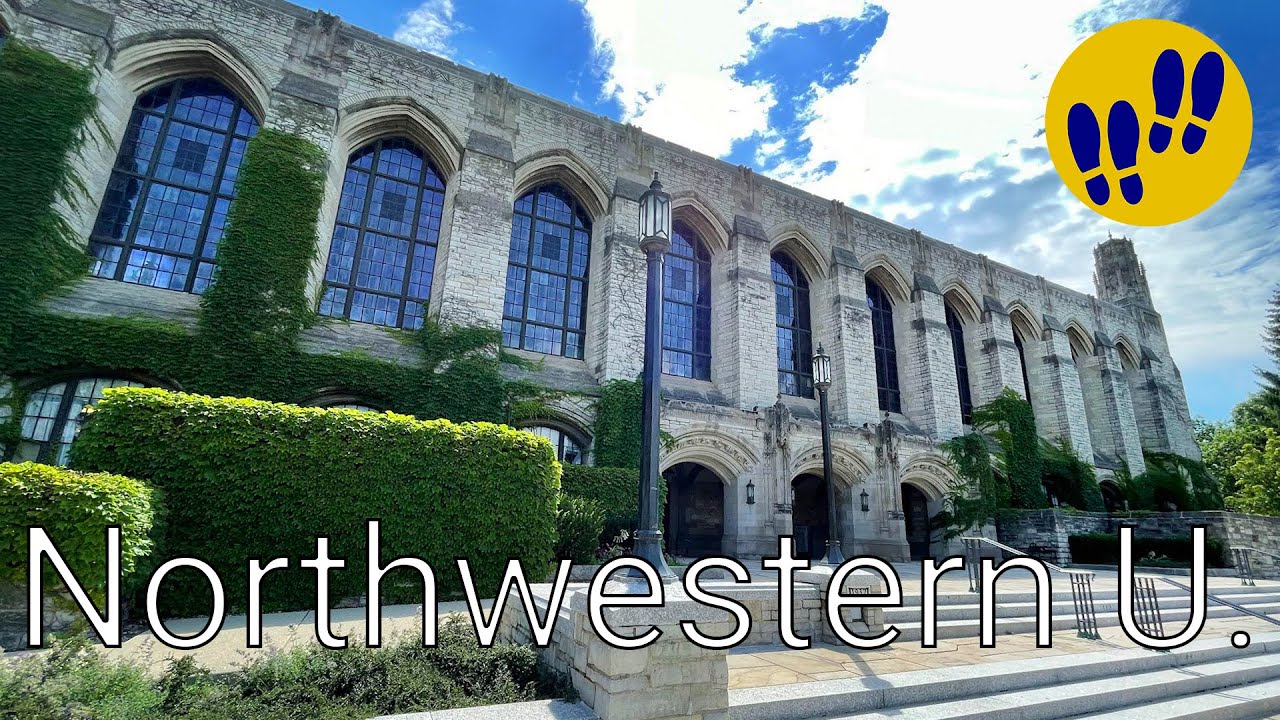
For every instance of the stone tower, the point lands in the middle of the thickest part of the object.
(1117, 275)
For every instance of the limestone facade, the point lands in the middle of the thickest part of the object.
(1098, 367)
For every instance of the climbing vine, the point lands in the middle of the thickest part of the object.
(619, 424)
(246, 340)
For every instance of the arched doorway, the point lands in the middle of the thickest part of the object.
(915, 509)
(1112, 498)
(809, 516)
(694, 518)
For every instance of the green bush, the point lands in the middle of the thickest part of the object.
(1104, 549)
(75, 509)
(615, 490)
(250, 479)
(74, 681)
(579, 525)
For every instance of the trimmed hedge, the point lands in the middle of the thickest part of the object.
(75, 509)
(1104, 549)
(250, 479)
(615, 490)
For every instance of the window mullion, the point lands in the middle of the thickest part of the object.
(211, 202)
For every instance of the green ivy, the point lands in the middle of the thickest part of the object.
(246, 338)
(616, 490)
(249, 479)
(1073, 479)
(75, 509)
(1010, 421)
(619, 424)
(255, 311)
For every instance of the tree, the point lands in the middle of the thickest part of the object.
(1266, 404)
(1258, 478)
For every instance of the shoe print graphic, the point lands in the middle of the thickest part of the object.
(1148, 122)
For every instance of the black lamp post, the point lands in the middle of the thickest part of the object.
(655, 241)
(822, 381)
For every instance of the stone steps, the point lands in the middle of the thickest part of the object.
(1027, 608)
(1206, 679)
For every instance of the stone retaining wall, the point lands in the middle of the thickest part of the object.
(1044, 533)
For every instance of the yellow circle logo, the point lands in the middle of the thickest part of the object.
(1148, 122)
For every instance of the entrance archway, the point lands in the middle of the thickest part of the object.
(1112, 497)
(809, 516)
(694, 518)
(915, 508)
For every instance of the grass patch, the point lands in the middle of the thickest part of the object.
(73, 680)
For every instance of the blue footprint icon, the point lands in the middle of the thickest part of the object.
(1123, 136)
(1085, 138)
(1167, 81)
(1206, 92)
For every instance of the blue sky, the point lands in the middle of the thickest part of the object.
(928, 114)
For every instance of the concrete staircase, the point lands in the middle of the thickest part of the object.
(1206, 680)
(958, 613)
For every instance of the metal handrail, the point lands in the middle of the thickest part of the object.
(1081, 584)
(1015, 551)
(1244, 567)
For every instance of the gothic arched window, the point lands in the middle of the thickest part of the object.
(962, 364)
(545, 309)
(384, 243)
(794, 327)
(51, 419)
(568, 450)
(1022, 362)
(686, 308)
(174, 179)
(886, 349)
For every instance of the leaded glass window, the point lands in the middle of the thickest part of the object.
(686, 307)
(962, 365)
(794, 328)
(175, 177)
(383, 253)
(545, 309)
(52, 418)
(1022, 362)
(568, 451)
(886, 349)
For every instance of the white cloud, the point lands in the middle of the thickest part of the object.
(429, 27)
(671, 62)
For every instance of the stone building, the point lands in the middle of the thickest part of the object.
(456, 194)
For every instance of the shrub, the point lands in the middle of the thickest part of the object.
(579, 525)
(75, 509)
(1104, 549)
(74, 681)
(250, 479)
(615, 490)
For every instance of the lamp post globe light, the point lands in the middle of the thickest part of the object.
(655, 241)
(822, 382)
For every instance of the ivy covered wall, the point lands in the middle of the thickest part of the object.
(246, 339)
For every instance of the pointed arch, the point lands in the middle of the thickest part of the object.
(963, 301)
(724, 454)
(889, 276)
(563, 167)
(847, 465)
(1129, 357)
(1024, 322)
(930, 472)
(693, 208)
(790, 237)
(1081, 340)
(371, 119)
(147, 60)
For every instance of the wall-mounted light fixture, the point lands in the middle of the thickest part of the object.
(865, 506)
(751, 492)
